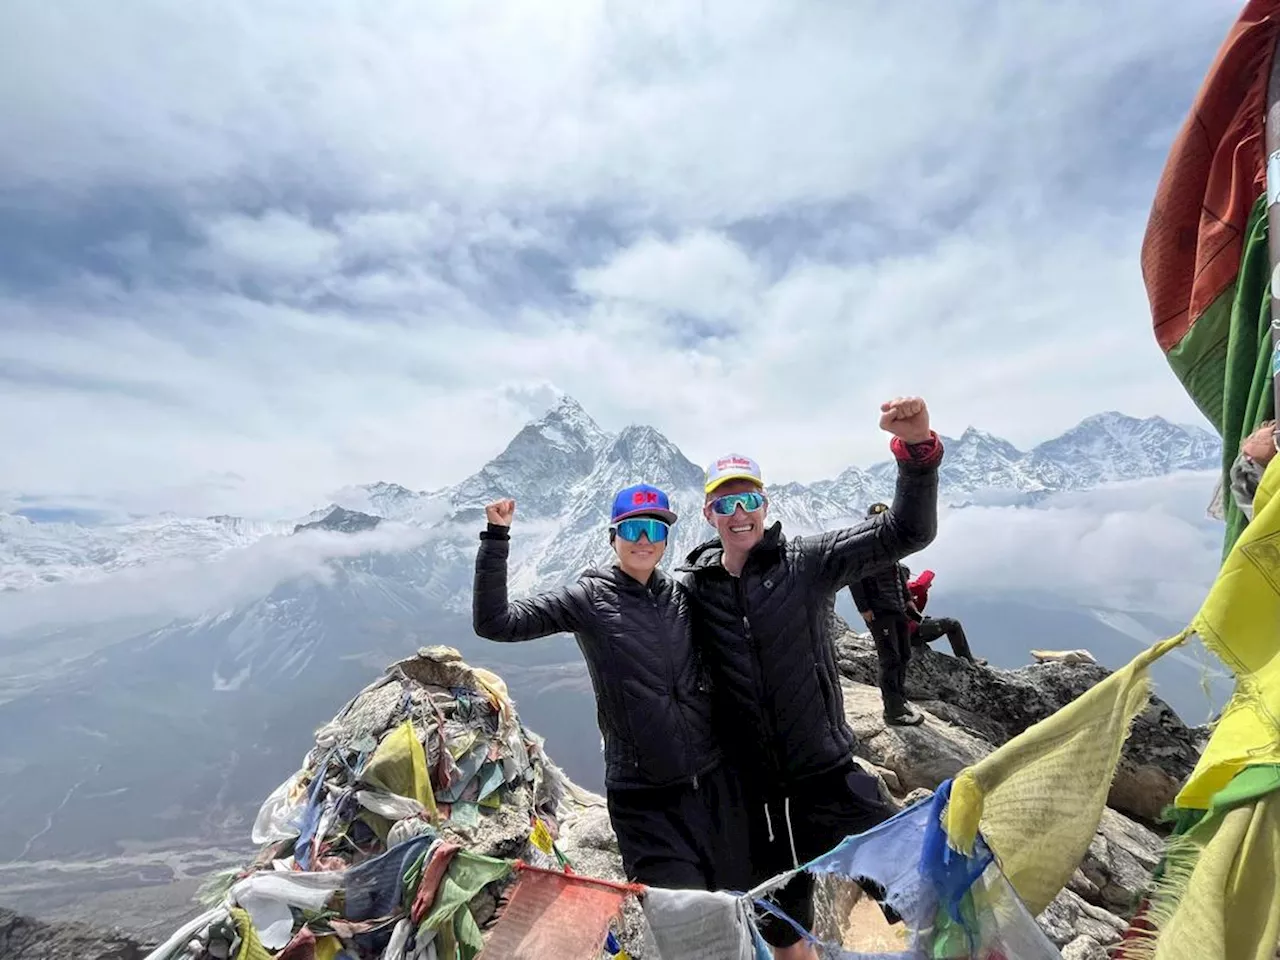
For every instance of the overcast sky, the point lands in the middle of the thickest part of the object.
(252, 252)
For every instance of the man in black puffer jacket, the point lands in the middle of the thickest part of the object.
(764, 606)
(882, 599)
(677, 815)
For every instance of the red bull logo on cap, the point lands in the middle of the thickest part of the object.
(733, 466)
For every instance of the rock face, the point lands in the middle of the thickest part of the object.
(968, 710)
(997, 705)
(25, 939)
(920, 756)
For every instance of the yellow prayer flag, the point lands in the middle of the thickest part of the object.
(1040, 796)
(399, 765)
(541, 837)
(1240, 622)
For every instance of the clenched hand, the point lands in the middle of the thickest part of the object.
(907, 418)
(500, 512)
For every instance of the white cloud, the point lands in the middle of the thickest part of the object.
(745, 224)
(702, 274)
(274, 245)
(1142, 546)
(721, 108)
(159, 593)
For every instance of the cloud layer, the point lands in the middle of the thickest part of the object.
(252, 253)
(152, 595)
(1143, 546)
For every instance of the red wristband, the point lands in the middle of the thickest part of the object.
(925, 454)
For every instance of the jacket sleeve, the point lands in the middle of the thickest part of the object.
(911, 523)
(858, 591)
(494, 617)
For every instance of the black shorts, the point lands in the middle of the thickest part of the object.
(683, 838)
(822, 811)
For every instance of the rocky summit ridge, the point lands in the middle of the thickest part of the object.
(969, 710)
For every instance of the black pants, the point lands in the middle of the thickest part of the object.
(683, 837)
(815, 813)
(893, 650)
(930, 629)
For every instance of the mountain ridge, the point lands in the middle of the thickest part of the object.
(558, 459)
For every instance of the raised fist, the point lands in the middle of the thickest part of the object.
(906, 417)
(500, 512)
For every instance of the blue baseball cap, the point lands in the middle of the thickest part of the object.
(641, 500)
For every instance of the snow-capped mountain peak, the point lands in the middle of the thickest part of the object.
(649, 456)
(568, 426)
(546, 457)
(341, 521)
(1112, 446)
(974, 441)
(388, 500)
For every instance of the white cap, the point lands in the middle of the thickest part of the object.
(732, 466)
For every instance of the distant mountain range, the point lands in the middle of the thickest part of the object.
(562, 468)
(156, 726)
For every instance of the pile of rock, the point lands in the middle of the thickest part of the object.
(395, 837)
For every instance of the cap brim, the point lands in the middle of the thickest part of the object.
(719, 482)
(666, 515)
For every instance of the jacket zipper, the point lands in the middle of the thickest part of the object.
(758, 674)
(675, 692)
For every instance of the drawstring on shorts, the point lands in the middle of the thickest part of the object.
(791, 836)
(786, 815)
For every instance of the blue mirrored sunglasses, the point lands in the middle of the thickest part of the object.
(750, 502)
(651, 527)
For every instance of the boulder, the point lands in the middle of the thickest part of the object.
(1070, 916)
(1063, 656)
(1119, 863)
(1084, 948)
(24, 939)
(920, 756)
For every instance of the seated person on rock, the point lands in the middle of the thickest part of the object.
(924, 630)
(675, 810)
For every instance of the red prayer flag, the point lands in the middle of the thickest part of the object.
(555, 915)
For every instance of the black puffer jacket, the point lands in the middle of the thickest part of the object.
(767, 633)
(652, 700)
(885, 591)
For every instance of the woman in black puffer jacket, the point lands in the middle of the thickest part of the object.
(673, 807)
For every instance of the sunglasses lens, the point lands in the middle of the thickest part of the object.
(750, 502)
(654, 529)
